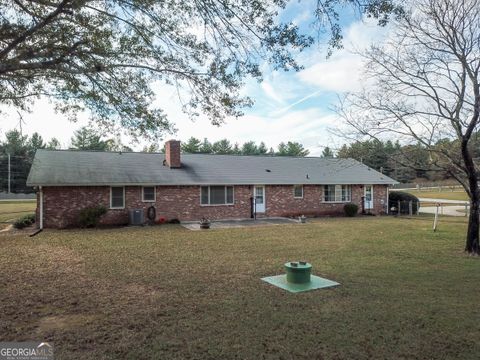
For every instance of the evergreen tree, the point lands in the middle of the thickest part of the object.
(327, 152)
(249, 148)
(21, 150)
(292, 148)
(88, 139)
(54, 144)
(206, 147)
(222, 147)
(236, 149)
(262, 149)
(192, 146)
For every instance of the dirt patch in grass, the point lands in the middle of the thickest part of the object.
(51, 324)
(169, 293)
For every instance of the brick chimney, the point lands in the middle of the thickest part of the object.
(172, 153)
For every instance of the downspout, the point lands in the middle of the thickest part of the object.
(388, 196)
(40, 193)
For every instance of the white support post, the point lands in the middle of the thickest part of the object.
(435, 220)
(9, 174)
(410, 208)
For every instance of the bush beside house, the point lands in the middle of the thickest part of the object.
(24, 221)
(350, 209)
(90, 216)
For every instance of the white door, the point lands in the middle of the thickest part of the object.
(259, 196)
(368, 197)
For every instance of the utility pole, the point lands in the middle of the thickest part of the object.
(9, 173)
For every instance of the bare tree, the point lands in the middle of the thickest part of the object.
(426, 89)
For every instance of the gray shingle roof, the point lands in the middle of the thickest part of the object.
(66, 167)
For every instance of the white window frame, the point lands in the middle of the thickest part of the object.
(225, 186)
(297, 197)
(349, 187)
(154, 193)
(111, 197)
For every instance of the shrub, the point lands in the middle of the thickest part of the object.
(350, 209)
(90, 216)
(24, 221)
(174, 221)
(404, 198)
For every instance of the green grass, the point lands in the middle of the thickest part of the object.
(169, 293)
(444, 194)
(12, 210)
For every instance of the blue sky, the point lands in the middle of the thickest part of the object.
(293, 106)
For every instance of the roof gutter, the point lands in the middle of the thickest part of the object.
(219, 183)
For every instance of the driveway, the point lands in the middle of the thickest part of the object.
(443, 201)
(453, 210)
(448, 207)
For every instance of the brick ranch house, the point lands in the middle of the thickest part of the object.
(192, 186)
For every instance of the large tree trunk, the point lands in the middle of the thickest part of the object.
(472, 245)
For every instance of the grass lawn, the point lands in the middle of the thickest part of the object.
(444, 194)
(12, 210)
(169, 293)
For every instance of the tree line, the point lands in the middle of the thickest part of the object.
(407, 163)
(390, 157)
(225, 147)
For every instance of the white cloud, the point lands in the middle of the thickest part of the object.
(339, 74)
(271, 92)
(343, 71)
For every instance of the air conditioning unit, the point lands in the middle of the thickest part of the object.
(135, 217)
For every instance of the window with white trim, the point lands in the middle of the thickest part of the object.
(216, 195)
(298, 191)
(148, 193)
(337, 193)
(117, 197)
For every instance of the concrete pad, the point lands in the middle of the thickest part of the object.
(316, 282)
(240, 223)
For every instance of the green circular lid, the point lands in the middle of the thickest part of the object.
(298, 265)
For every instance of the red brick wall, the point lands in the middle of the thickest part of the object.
(281, 202)
(62, 205)
(183, 203)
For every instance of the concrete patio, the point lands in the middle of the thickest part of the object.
(239, 223)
